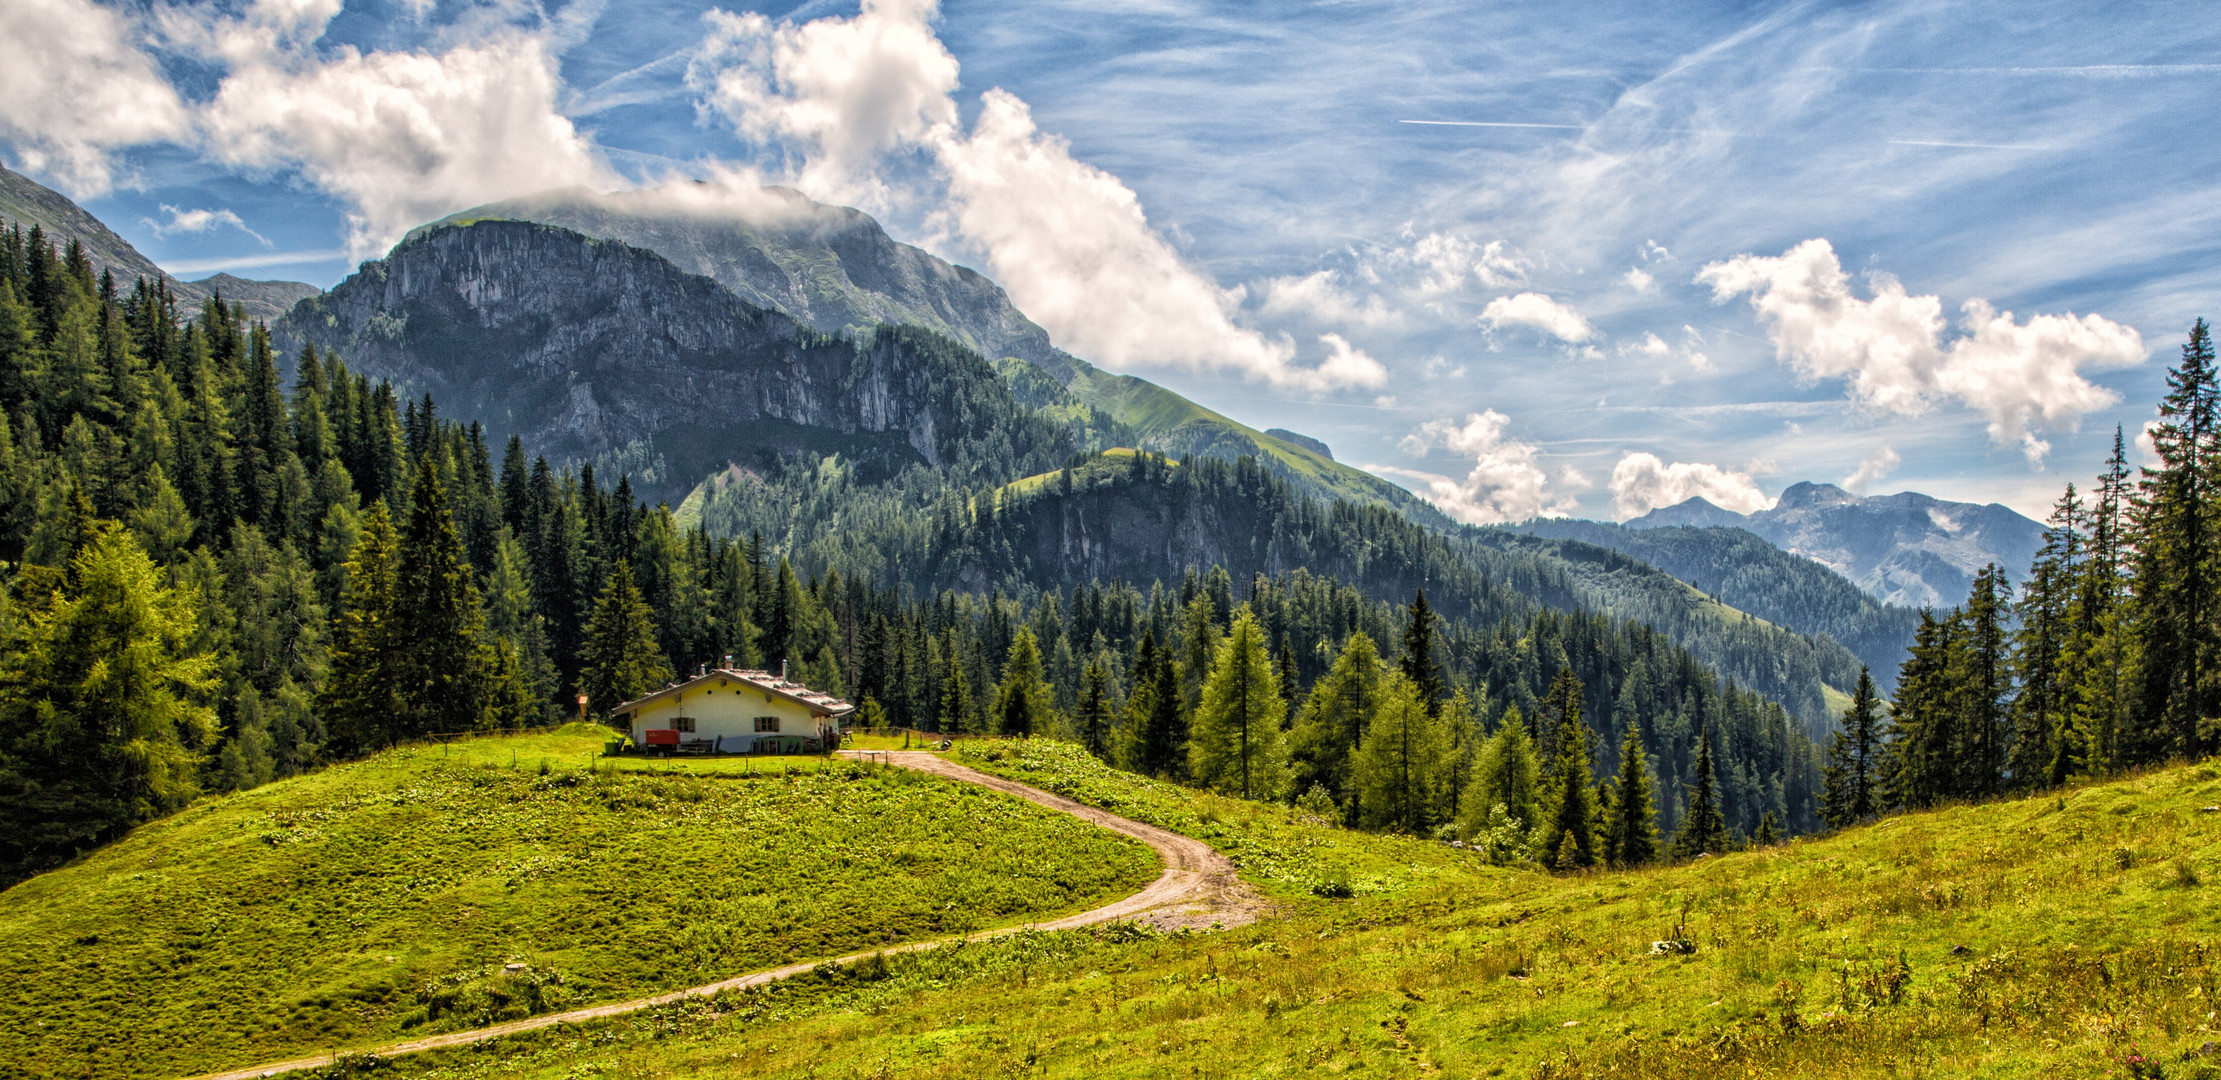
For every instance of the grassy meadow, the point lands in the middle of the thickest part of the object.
(2075, 934)
(387, 897)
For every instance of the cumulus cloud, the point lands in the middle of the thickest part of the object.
(1642, 483)
(1321, 297)
(405, 137)
(1505, 484)
(1069, 241)
(1891, 351)
(1445, 262)
(846, 91)
(1640, 280)
(1884, 462)
(197, 221)
(77, 87)
(1538, 312)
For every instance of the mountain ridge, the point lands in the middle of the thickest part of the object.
(27, 202)
(1907, 549)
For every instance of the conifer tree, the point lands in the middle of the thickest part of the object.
(1853, 758)
(1985, 680)
(1559, 708)
(2042, 713)
(1095, 710)
(436, 623)
(360, 700)
(1630, 819)
(620, 659)
(1023, 702)
(1703, 828)
(1418, 663)
(103, 706)
(1505, 774)
(955, 708)
(1235, 741)
(1334, 718)
(2177, 572)
(1401, 766)
(1164, 735)
(1569, 829)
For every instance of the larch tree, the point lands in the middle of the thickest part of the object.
(1332, 723)
(1235, 743)
(1505, 774)
(1402, 764)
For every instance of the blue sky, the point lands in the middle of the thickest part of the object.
(1539, 258)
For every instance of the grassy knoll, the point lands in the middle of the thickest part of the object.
(386, 897)
(2055, 936)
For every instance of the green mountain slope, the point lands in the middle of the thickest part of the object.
(2068, 935)
(26, 202)
(1750, 573)
(835, 269)
(386, 898)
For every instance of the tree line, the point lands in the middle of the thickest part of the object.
(2109, 659)
(300, 565)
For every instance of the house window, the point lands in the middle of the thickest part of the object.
(767, 724)
(683, 723)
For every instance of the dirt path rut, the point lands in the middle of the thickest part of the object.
(1197, 889)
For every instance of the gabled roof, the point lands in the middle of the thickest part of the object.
(763, 681)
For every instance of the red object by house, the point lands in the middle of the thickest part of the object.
(662, 737)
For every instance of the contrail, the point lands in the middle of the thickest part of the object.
(1494, 123)
(1970, 145)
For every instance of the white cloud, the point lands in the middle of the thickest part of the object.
(1505, 483)
(1539, 312)
(403, 138)
(1891, 352)
(1640, 280)
(1873, 469)
(1444, 262)
(76, 88)
(847, 91)
(1641, 483)
(1320, 297)
(197, 221)
(1069, 241)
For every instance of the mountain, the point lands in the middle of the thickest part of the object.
(1750, 574)
(1907, 549)
(592, 349)
(26, 202)
(835, 269)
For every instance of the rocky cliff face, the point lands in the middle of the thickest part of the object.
(591, 348)
(1908, 548)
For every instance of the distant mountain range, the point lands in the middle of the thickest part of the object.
(1907, 549)
(26, 202)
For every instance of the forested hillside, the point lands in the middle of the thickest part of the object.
(1750, 574)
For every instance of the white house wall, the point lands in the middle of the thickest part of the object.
(726, 713)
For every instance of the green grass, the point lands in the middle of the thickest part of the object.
(2087, 923)
(384, 898)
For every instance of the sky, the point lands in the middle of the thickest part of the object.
(1564, 258)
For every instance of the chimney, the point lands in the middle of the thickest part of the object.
(782, 671)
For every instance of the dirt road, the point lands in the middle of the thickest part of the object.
(1197, 889)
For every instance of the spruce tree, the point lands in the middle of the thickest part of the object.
(620, 659)
(439, 682)
(2042, 717)
(1559, 709)
(360, 697)
(1164, 735)
(1853, 757)
(1418, 663)
(1630, 819)
(1095, 710)
(1569, 830)
(2177, 573)
(1703, 828)
(1023, 703)
(1235, 741)
(954, 714)
(1985, 681)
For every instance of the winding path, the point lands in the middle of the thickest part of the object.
(1198, 888)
